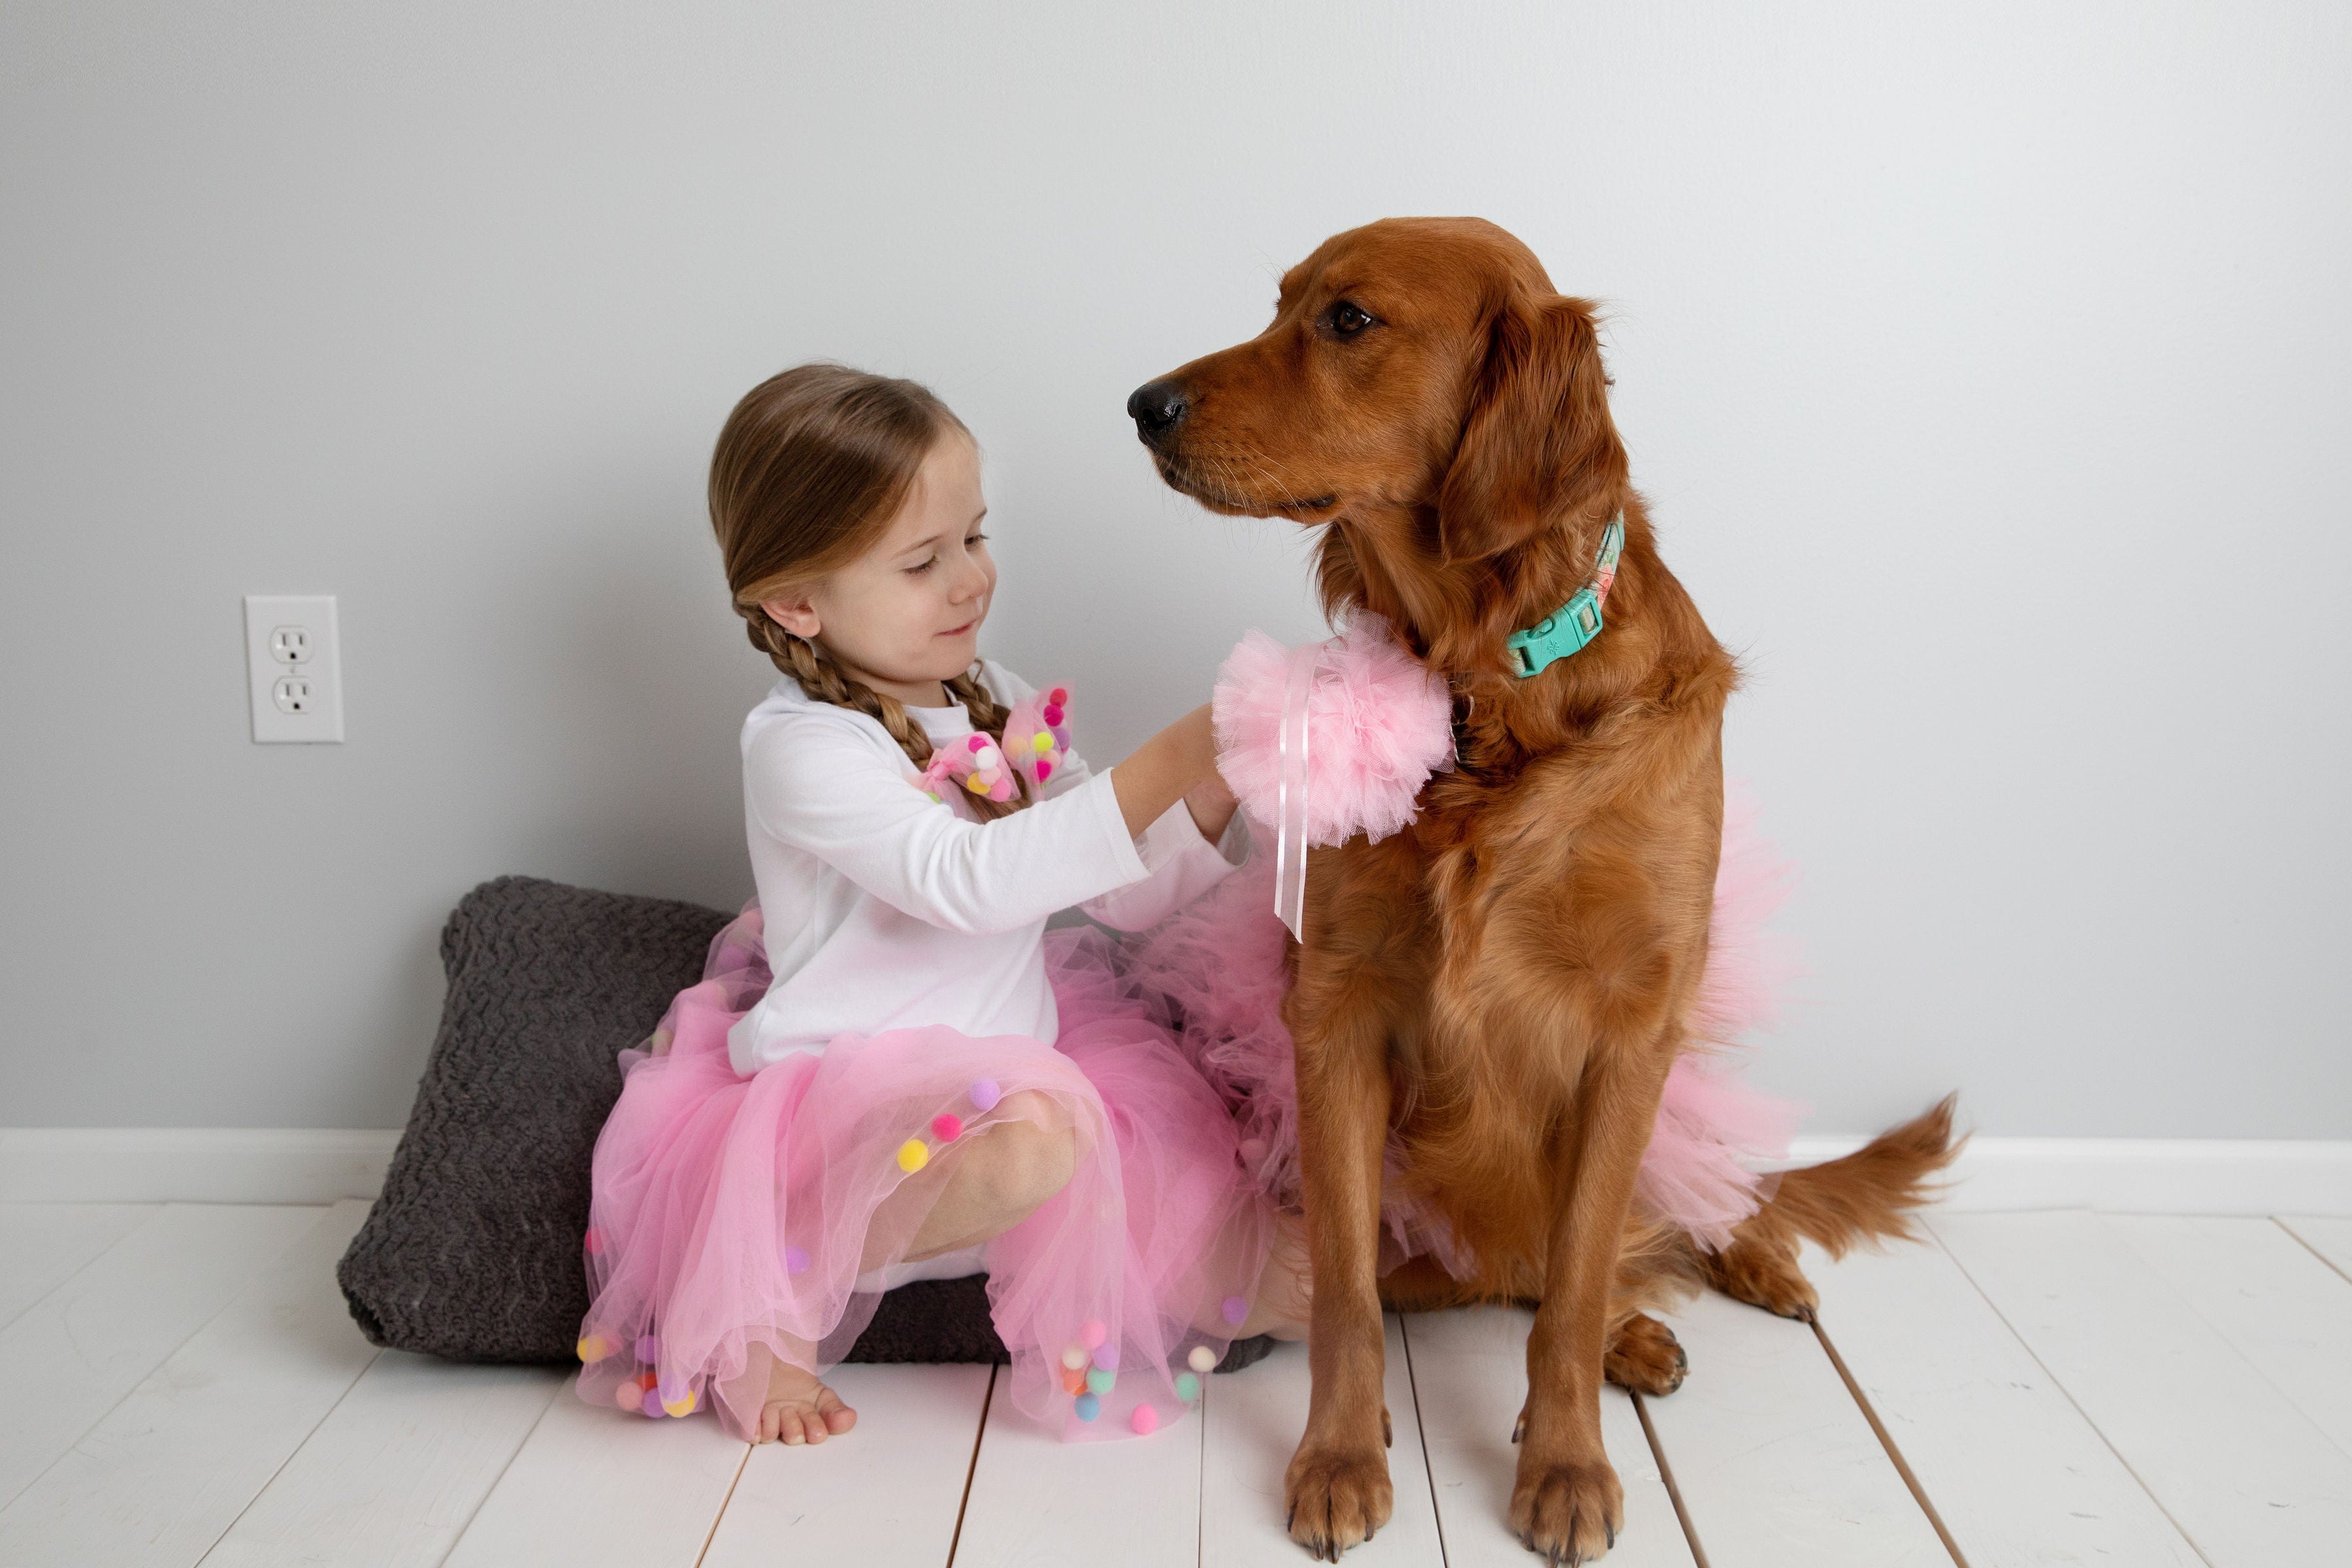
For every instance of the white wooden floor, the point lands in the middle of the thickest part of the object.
(181, 1384)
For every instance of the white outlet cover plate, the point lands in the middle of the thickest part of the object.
(265, 614)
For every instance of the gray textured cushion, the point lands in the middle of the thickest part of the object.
(472, 1252)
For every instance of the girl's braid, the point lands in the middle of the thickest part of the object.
(824, 681)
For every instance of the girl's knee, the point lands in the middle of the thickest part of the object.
(1031, 1155)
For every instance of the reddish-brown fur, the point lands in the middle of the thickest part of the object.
(1506, 982)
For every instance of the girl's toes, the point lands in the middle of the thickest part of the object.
(836, 1416)
(793, 1434)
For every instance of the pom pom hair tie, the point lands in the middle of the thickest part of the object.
(1329, 739)
(1037, 745)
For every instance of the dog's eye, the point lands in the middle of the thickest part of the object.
(1347, 317)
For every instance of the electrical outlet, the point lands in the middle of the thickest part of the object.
(294, 667)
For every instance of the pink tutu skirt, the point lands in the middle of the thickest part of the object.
(733, 1211)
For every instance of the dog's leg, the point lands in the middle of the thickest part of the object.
(1337, 1491)
(1567, 1503)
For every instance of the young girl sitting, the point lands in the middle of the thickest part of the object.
(891, 1069)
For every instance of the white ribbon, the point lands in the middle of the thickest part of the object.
(1290, 797)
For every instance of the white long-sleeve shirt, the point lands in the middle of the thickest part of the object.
(885, 908)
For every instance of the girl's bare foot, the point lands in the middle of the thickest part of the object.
(798, 1408)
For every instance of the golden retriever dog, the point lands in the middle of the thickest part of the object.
(1505, 983)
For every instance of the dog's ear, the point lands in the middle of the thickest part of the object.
(1538, 445)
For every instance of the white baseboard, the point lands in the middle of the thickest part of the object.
(296, 1165)
(2138, 1175)
(192, 1165)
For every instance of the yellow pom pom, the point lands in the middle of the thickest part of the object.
(972, 783)
(682, 1407)
(595, 1348)
(1045, 741)
(913, 1155)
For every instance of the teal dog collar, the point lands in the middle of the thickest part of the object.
(1576, 623)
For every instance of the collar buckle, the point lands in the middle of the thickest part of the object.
(1567, 629)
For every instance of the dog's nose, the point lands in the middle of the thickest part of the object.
(1156, 407)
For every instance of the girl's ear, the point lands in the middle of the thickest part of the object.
(1538, 444)
(797, 616)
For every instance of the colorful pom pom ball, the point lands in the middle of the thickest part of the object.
(683, 1406)
(796, 1260)
(1074, 1358)
(1088, 1407)
(1188, 1387)
(947, 1126)
(1101, 1379)
(651, 1402)
(1106, 1356)
(594, 1241)
(1235, 1310)
(1203, 1359)
(1092, 1333)
(1044, 770)
(1146, 1420)
(595, 1348)
(648, 1349)
(630, 1395)
(976, 744)
(1057, 697)
(1073, 1381)
(985, 1094)
(913, 1155)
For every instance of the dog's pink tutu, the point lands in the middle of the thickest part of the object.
(1367, 725)
(732, 1211)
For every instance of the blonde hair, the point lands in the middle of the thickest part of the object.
(810, 468)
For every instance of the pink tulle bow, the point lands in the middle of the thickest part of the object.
(1036, 743)
(1329, 739)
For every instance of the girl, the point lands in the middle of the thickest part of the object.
(891, 1070)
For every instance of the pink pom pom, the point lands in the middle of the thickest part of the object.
(947, 1126)
(1378, 723)
(977, 743)
(1146, 1421)
(1044, 770)
(1052, 713)
(1058, 697)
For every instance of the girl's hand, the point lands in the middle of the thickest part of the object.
(1166, 769)
(1212, 803)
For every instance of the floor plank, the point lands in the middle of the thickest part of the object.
(1470, 1372)
(68, 1359)
(2281, 1307)
(173, 1465)
(886, 1491)
(1253, 1418)
(592, 1486)
(2018, 1475)
(391, 1478)
(1776, 1462)
(48, 1244)
(2330, 1237)
(1039, 1502)
(2244, 1473)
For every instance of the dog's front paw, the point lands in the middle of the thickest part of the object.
(1567, 1511)
(1645, 1357)
(1336, 1497)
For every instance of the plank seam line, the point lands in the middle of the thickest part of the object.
(178, 1345)
(732, 1482)
(1667, 1474)
(89, 1263)
(2307, 1246)
(2059, 1383)
(987, 1403)
(1413, 1386)
(1887, 1441)
(562, 1381)
(215, 1544)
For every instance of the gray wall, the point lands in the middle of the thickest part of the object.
(1987, 371)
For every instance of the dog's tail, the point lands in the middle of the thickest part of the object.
(1866, 1197)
